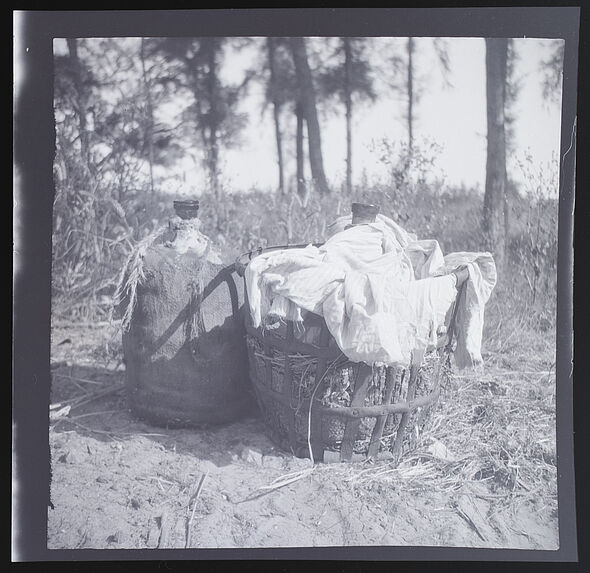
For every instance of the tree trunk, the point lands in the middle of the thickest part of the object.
(149, 126)
(301, 189)
(212, 96)
(307, 97)
(494, 208)
(276, 112)
(81, 103)
(348, 105)
(410, 93)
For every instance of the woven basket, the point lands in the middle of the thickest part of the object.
(317, 403)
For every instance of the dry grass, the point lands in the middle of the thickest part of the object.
(493, 434)
(496, 427)
(131, 276)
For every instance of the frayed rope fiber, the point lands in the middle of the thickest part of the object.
(131, 276)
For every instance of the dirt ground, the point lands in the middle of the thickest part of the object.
(120, 483)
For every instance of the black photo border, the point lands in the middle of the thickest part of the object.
(34, 145)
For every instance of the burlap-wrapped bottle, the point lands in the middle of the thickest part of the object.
(183, 337)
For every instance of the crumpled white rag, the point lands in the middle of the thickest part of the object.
(382, 292)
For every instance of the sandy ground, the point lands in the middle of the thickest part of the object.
(120, 483)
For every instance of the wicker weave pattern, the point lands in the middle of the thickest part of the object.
(313, 399)
(284, 382)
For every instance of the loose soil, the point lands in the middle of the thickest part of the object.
(120, 483)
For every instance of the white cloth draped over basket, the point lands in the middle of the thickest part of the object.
(382, 292)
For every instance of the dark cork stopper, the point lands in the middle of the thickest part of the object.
(187, 209)
(364, 213)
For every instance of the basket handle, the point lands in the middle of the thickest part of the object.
(194, 322)
(225, 275)
(242, 261)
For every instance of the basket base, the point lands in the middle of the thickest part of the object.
(331, 457)
(285, 382)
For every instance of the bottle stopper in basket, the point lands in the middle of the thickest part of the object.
(363, 213)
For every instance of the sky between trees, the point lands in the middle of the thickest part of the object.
(450, 111)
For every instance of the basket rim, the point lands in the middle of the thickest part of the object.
(244, 259)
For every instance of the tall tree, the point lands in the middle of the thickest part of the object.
(300, 150)
(149, 115)
(512, 90)
(89, 221)
(210, 47)
(280, 89)
(194, 65)
(410, 88)
(276, 108)
(81, 102)
(552, 69)
(494, 209)
(348, 61)
(307, 99)
(124, 118)
(281, 92)
(349, 79)
(405, 80)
